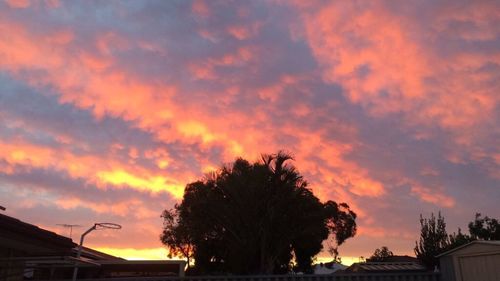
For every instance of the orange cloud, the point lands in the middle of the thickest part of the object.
(242, 32)
(377, 57)
(433, 195)
(200, 8)
(103, 172)
(18, 3)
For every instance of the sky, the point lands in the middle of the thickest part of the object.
(109, 108)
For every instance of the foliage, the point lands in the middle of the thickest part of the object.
(458, 239)
(484, 228)
(176, 236)
(433, 240)
(381, 254)
(254, 218)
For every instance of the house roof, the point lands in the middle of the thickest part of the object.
(37, 241)
(31, 239)
(95, 255)
(397, 258)
(493, 243)
(385, 267)
(133, 262)
(327, 268)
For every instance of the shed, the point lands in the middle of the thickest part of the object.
(476, 261)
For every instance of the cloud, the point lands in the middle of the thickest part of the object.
(391, 110)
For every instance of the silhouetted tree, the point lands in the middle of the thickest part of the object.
(484, 228)
(176, 236)
(458, 239)
(381, 254)
(255, 218)
(433, 240)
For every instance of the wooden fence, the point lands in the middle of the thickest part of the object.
(403, 276)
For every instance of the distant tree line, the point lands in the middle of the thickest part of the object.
(434, 240)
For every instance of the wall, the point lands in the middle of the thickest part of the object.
(480, 268)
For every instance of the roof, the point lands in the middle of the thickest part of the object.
(328, 268)
(51, 261)
(396, 258)
(483, 242)
(385, 267)
(129, 262)
(31, 239)
(142, 266)
(95, 255)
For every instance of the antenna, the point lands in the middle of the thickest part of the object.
(70, 226)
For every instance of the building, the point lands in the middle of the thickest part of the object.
(328, 268)
(23, 244)
(140, 268)
(385, 267)
(476, 261)
(396, 258)
(28, 252)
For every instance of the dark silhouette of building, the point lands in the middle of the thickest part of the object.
(28, 252)
(396, 258)
(385, 267)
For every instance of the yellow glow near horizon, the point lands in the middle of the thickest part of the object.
(136, 254)
(345, 260)
(161, 254)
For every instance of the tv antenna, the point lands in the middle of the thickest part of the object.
(70, 226)
(96, 226)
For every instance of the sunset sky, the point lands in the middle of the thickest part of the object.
(108, 109)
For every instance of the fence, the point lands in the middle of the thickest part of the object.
(403, 276)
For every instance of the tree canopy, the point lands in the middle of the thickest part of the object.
(254, 218)
(484, 228)
(381, 254)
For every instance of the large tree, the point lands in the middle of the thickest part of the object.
(254, 218)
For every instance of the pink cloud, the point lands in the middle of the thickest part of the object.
(433, 195)
(18, 3)
(387, 64)
(321, 81)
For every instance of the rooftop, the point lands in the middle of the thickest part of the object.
(385, 266)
